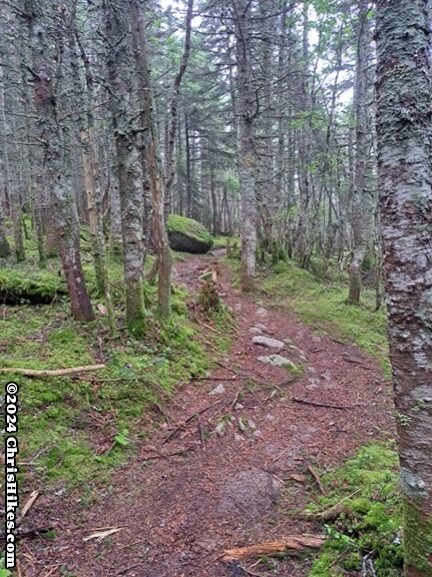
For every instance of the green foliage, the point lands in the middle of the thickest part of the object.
(324, 306)
(367, 486)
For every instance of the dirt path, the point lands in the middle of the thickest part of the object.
(225, 488)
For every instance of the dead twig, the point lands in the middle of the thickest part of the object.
(188, 420)
(126, 569)
(28, 505)
(317, 478)
(324, 405)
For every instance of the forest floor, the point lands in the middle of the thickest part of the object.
(228, 465)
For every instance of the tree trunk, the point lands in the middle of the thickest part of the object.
(405, 179)
(90, 161)
(173, 113)
(4, 244)
(360, 205)
(56, 160)
(152, 162)
(129, 170)
(246, 111)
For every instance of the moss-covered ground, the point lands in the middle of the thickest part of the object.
(366, 489)
(73, 430)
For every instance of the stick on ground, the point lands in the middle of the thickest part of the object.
(292, 545)
(33, 373)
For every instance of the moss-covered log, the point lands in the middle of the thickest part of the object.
(20, 287)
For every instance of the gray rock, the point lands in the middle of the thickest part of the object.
(256, 330)
(238, 438)
(276, 361)
(258, 434)
(249, 493)
(220, 429)
(219, 390)
(261, 312)
(268, 342)
(252, 424)
(238, 407)
(261, 326)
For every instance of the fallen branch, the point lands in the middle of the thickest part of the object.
(28, 505)
(163, 456)
(33, 373)
(196, 414)
(333, 512)
(317, 478)
(292, 545)
(325, 405)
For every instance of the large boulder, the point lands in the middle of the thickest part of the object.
(188, 235)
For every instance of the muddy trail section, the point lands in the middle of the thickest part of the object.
(228, 464)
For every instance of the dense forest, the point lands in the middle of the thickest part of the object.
(215, 287)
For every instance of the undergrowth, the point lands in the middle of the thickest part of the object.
(366, 487)
(73, 430)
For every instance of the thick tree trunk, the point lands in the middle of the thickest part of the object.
(405, 179)
(246, 111)
(361, 209)
(57, 163)
(129, 170)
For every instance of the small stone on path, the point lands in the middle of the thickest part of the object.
(276, 361)
(261, 312)
(255, 330)
(219, 390)
(268, 342)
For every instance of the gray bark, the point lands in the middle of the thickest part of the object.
(128, 161)
(56, 157)
(246, 111)
(361, 209)
(405, 181)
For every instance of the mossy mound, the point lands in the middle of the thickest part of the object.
(188, 235)
(20, 286)
(369, 526)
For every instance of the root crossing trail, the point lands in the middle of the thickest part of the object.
(232, 444)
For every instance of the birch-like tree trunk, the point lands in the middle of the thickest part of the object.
(56, 155)
(405, 180)
(246, 112)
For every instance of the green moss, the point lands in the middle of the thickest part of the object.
(418, 539)
(23, 284)
(367, 485)
(186, 234)
(189, 227)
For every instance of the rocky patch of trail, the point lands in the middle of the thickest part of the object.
(224, 472)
